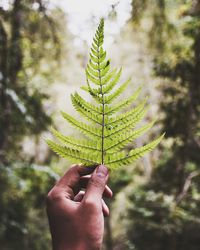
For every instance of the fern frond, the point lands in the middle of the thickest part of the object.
(92, 65)
(108, 77)
(102, 56)
(94, 52)
(119, 142)
(73, 154)
(126, 126)
(84, 111)
(103, 65)
(95, 47)
(104, 71)
(123, 104)
(107, 133)
(90, 131)
(94, 93)
(91, 78)
(96, 109)
(120, 159)
(92, 71)
(73, 143)
(110, 85)
(127, 116)
(111, 97)
(94, 59)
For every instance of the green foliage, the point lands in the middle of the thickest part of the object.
(23, 190)
(164, 212)
(157, 221)
(107, 132)
(29, 38)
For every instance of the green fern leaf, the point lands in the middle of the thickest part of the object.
(93, 66)
(113, 96)
(91, 78)
(126, 126)
(92, 71)
(123, 104)
(127, 116)
(112, 83)
(71, 142)
(120, 159)
(104, 65)
(88, 105)
(108, 77)
(89, 131)
(119, 142)
(94, 59)
(73, 154)
(84, 111)
(107, 132)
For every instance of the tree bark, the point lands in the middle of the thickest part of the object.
(10, 65)
(15, 52)
(3, 86)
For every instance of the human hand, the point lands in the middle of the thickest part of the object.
(76, 218)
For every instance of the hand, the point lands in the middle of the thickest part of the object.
(76, 218)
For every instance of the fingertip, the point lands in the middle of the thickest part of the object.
(85, 170)
(102, 171)
(110, 193)
(79, 196)
(105, 209)
(106, 213)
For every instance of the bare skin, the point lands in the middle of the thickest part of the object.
(76, 217)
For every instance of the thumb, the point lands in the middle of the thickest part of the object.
(97, 184)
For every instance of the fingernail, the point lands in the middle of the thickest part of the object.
(102, 171)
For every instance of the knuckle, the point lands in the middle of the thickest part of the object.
(71, 169)
(90, 204)
(53, 197)
(49, 196)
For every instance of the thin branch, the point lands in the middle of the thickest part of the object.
(187, 185)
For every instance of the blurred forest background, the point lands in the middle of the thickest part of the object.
(43, 51)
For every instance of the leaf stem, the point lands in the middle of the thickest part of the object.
(103, 111)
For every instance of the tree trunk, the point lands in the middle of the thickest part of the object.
(15, 52)
(10, 65)
(3, 86)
